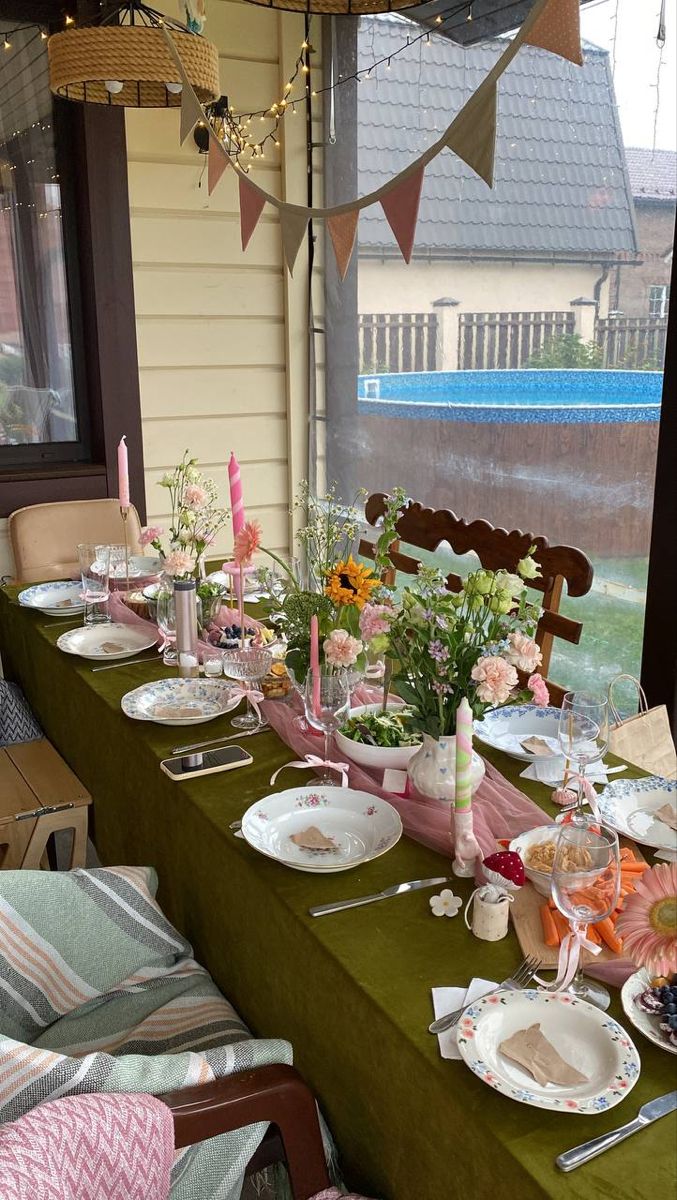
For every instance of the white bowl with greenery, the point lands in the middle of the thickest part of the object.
(396, 742)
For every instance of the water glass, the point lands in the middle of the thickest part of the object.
(94, 570)
(586, 888)
(327, 702)
(249, 665)
(165, 616)
(583, 735)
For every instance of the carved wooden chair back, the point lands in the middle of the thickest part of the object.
(427, 529)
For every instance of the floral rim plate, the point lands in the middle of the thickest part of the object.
(360, 826)
(54, 599)
(644, 1021)
(588, 1039)
(504, 728)
(110, 642)
(180, 701)
(629, 806)
(141, 567)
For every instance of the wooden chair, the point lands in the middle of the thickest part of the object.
(39, 796)
(44, 537)
(496, 549)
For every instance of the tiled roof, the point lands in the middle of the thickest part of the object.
(653, 173)
(560, 188)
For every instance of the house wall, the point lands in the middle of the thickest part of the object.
(655, 232)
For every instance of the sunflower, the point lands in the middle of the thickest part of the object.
(350, 582)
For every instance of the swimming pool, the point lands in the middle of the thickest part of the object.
(510, 397)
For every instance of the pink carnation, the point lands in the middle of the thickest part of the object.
(374, 620)
(179, 562)
(340, 649)
(523, 652)
(495, 679)
(539, 692)
(150, 534)
(194, 496)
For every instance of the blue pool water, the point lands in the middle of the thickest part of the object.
(551, 397)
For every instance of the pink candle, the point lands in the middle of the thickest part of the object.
(236, 500)
(315, 661)
(123, 473)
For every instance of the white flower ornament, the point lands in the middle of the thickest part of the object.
(446, 904)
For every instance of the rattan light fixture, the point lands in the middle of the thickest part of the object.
(123, 59)
(353, 8)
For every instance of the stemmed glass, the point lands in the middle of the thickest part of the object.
(165, 616)
(94, 571)
(327, 702)
(583, 735)
(586, 889)
(248, 665)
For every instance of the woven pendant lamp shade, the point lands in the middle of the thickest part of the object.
(353, 8)
(80, 60)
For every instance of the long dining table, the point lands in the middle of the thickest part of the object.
(352, 991)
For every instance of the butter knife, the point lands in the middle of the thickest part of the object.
(659, 1107)
(399, 889)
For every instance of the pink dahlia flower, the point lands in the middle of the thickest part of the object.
(341, 649)
(523, 652)
(495, 679)
(194, 496)
(179, 562)
(374, 620)
(647, 924)
(539, 692)
(247, 542)
(150, 534)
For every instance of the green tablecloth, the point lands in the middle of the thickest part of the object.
(351, 992)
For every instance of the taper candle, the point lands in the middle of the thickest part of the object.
(463, 789)
(315, 661)
(236, 499)
(123, 473)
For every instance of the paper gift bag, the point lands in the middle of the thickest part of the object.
(644, 739)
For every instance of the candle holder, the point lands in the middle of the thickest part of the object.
(124, 513)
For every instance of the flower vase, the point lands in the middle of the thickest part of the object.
(432, 769)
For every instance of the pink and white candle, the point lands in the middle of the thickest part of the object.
(236, 498)
(123, 473)
(466, 846)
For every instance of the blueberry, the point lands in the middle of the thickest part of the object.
(664, 992)
(672, 1021)
(670, 1009)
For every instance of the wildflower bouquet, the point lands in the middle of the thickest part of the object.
(196, 518)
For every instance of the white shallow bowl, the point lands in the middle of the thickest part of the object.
(629, 806)
(644, 1021)
(180, 701)
(505, 728)
(361, 826)
(586, 1038)
(377, 757)
(56, 599)
(90, 641)
(522, 844)
(142, 568)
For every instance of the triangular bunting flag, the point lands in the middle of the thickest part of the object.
(293, 226)
(473, 133)
(251, 206)
(342, 230)
(558, 29)
(400, 206)
(216, 164)
(191, 112)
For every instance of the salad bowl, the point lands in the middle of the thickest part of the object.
(369, 720)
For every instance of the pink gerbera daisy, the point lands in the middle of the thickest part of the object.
(648, 922)
(247, 542)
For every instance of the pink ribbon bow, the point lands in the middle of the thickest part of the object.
(254, 697)
(586, 788)
(569, 955)
(312, 760)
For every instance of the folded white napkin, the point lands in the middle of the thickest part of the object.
(667, 855)
(446, 999)
(551, 771)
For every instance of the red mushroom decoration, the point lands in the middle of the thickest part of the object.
(505, 869)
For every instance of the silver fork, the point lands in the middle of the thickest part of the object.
(516, 983)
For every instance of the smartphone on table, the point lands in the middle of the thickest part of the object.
(191, 766)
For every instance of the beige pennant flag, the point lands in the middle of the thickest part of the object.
(191, 112)
(216, 164)
(558, 29)
(293, 226)
(473, 133)
(342, 230)
(251, 206)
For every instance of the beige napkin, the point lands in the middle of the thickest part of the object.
(534, 1052)
(312, 838)
(668, 815)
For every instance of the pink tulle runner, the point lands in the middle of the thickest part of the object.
(226, 616)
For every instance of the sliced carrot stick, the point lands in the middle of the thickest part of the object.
(561, 924)
(593, 935)
(550, 934)
(627, 853)
(634, 868)
(608, 935)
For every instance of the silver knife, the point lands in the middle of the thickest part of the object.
(228, 738)
(659, 1107)
(398, 890)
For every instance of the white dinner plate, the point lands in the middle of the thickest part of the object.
(141, 566)
(56, 599)
(360, 826)
(646, 1022)
(505, 729)
(252, 592)
(111, 641)
(586, 1038)
(629, 806)
(180, 701)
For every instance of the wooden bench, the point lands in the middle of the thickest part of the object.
(39, 795)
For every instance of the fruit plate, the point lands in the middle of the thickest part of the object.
(629, 806)
(110, 641)
(180, 701)
(360, 826)
(646, 1022)
(55, 599)
(505, 729)
(586, 1038)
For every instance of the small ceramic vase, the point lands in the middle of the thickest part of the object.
(432, 769)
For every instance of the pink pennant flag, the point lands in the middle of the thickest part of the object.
(251, 206)
(400, 206)
(558, 29)
(342, 230)
(216, 164)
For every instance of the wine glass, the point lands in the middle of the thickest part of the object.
(166, 622)
(583, 735)
(326, 701)
(248, 665)
(586, 888)
(94, 571)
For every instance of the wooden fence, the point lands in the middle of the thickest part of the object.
(498, 341)
(632, 343)
(396, 342)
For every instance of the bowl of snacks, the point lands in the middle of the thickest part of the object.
(377, 739)
(536, 848)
